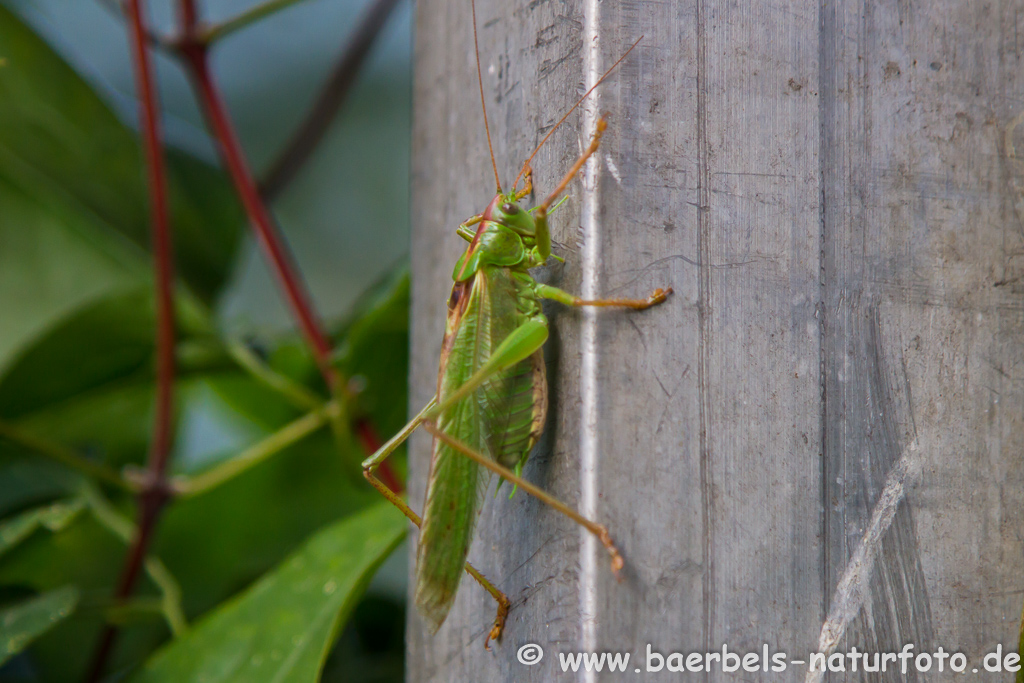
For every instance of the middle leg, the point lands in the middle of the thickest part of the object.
(561, 296)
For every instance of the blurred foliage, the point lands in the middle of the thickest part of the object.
(21, 623)
(278, 629)
(76, 387)
(63, 152)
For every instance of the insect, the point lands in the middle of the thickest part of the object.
(491, 399)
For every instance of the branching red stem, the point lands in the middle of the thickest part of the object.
(156, 491)
(194, 51)
(195, 56)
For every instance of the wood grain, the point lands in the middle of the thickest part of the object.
(829, 189)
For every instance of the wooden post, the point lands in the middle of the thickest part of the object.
(825, 424)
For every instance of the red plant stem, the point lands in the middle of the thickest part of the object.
(195, 53)
(155, 493)
(270, 241)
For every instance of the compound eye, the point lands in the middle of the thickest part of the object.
(509, 209)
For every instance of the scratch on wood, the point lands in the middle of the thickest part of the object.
(704, 317)
(852, 590)
(548, 66)
(613, 169)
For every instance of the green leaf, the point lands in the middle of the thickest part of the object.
(105, 341)
(88, 381)
(52, 517)
(26, 480)
(88, 556)
(221, 541)
(75, 223)
(282, 627)
(52, 260)
(22, 623)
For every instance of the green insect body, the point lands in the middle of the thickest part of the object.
(491, 399)
(493, 295)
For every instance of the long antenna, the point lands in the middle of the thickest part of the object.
(578, 103)
(483, 104)
(602, 124)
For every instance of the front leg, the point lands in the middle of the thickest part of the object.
(464, 230)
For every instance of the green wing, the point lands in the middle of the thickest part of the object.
(482, 312)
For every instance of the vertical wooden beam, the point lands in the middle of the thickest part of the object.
(828, 189)
(924, 334)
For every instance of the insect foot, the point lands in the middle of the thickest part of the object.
(658, 296)
(499, 624)
(606, 540)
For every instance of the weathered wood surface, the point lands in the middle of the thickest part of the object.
(830, 190)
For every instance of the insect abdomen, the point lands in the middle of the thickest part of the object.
(516, 431)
